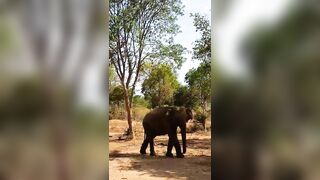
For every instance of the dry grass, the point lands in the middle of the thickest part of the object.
(125, 162)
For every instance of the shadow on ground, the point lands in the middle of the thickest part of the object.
(191, 167)
(194, 167)
(193, 143)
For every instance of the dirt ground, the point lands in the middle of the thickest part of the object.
(125, 162)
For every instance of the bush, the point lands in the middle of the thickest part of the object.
(139, 113)
(201, 118)
(193, 126)
(117, 112)
(140, 101)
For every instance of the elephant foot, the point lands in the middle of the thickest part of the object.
(180, 156)
(153, 154)
(169, 155)
(143, 152)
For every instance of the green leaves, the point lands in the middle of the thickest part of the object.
(185, 97)
(171, 54)
(116, 95)
(142, 32)
(159, 87)
(202, 48)
(199, 81)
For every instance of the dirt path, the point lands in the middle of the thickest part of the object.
(125, 162)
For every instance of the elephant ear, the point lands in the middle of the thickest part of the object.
(189, 114)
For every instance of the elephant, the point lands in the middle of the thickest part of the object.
(162, 121)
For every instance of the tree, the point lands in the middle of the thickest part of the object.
(185, 97)
(202, 47)
(159, 87)
(112, 79)
(116, 95)
(140, 101)
(199, 79)
(142, 32)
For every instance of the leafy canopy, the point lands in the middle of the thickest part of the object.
(160, 86)
(142, 31)
(185, 97)
(199, 79)
(202, 47)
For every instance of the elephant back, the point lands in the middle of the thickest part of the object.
(159, 120)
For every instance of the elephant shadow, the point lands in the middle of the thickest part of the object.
(190, 167)
(193, 143)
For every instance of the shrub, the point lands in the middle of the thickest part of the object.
(201, 118)
(140, 101)
(139, 113)
(193, 126)
(117, 112)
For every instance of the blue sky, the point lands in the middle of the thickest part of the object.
(239, 19)
(188, 35)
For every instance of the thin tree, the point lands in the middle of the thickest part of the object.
(142, 31)
(199, 79)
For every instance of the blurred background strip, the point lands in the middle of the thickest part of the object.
(53, 95)
(266, 90)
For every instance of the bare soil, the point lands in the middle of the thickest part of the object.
(125, 162)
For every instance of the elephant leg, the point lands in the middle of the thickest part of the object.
(177, 146)
(144, 145)
(173, 141)
(152, 152)
(170, 146)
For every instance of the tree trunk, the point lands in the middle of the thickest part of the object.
(129, 114)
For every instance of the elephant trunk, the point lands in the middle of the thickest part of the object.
(183, 135)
